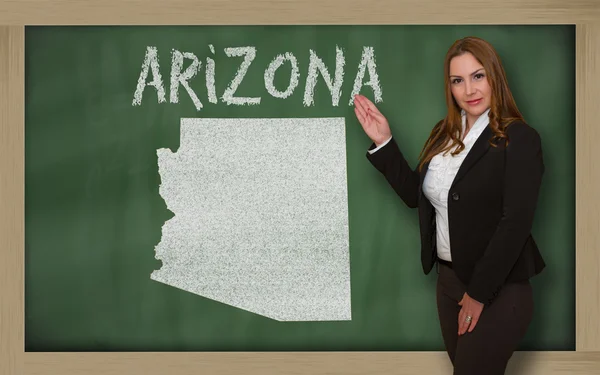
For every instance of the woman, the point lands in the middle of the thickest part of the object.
(476, 188)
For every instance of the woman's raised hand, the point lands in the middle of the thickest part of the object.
(373, 122)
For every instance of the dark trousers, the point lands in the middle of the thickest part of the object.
(502, 325)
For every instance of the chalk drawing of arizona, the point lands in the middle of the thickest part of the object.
(260, 216)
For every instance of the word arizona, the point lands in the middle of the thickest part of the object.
(316, 67)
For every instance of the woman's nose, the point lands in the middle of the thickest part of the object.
(470, 89)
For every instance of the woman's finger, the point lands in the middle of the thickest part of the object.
(378, 116)
(370, 105)
(364, 103)
(366, 122)
(358, 106)
(361, 104)
(371, 109)
(464, 327)
(360, 116)
(474, 322)
(364, 115)
(461, 319)
(463, 323)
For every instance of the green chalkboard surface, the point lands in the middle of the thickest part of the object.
(94, 214)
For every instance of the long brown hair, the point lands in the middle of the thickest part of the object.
(447, 133)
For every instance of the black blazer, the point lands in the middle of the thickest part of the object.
(491, 205)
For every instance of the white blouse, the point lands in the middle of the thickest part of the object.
(440, 175)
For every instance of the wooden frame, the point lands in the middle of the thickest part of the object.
(14, 15)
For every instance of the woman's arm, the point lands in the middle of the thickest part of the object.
(391, 163)
(387, 158)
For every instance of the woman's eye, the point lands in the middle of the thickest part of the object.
(455, 80)
(479, 75)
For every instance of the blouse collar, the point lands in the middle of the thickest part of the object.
(481, 121)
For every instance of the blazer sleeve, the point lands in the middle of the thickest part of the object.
(524, 168)
(391, 163)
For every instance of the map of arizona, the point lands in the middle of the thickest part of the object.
(260, 216)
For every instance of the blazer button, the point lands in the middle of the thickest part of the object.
(455, 196)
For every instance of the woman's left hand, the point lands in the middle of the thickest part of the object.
(472, 308)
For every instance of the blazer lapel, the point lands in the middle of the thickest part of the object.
(479, 148)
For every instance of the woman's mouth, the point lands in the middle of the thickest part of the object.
(474, 102)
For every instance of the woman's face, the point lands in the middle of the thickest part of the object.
(469, 85)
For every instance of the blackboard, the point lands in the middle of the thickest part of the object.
(93, 211)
